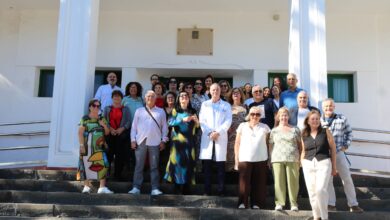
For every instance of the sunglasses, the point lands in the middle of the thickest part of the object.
(224, 85)
(236, 93)
(184, 95)
(257, 91)
(173, 82)
(255, 114)
(198, 83)
(95, 106)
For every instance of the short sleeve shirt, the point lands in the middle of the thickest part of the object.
(285, 145)
(253, 146)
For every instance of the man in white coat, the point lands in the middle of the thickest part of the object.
(215, 118)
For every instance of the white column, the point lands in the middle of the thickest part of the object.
(74, 78)
(307, 47)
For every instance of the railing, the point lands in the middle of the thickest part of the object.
(24, 123)
(23, 147)
(371, 130)
(34, 133)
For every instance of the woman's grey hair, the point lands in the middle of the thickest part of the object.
(254, 108)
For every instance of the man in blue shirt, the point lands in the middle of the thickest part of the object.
(288, 98)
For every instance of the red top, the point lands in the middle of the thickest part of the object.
(115, 117)
(160, 102)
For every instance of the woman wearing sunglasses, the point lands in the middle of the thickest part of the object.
(251, 159)
(93, 164)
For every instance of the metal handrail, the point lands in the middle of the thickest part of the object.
(371, 141)
(368, 155)
(23, 147)
(34, 162)
(24, 123)
(371, 130)
(34, 133)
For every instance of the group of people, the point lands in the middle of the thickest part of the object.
(248, 129)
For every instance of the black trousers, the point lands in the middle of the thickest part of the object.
(119, 152)
(207, 169)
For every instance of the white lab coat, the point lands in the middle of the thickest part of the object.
(219, 119)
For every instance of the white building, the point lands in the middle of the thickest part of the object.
(251, 40)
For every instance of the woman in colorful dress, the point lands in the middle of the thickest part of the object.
(238, 115)
(181, 165)
(93, 163)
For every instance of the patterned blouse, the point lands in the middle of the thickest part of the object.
(285, 145)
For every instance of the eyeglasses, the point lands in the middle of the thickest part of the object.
(257, 91)
(255, 114)
(188, 87)
(184, 96)
(198, 83)
(236, 93)
(224, 85)
(95, 106)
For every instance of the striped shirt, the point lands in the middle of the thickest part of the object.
(340, 129)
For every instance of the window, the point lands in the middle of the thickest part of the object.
(101, 78)
(340, 87)
(281, 75)
(46, 83)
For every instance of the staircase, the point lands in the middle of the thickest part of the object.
(53, 194)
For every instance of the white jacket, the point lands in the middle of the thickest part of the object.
(214, 117)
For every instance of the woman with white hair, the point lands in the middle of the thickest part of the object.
(251, 157)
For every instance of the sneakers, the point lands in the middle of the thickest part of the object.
(332, 208)
(356, 209)
(255, 207)
(86, 190)
(294, 208)
(156, 192)
(241, 206)
(104, 190)
(135, 191)
(278, 208)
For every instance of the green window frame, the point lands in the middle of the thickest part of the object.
(341, 88)
(46, 81)
(282, 75)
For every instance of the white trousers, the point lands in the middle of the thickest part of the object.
(317, 175)
(345, 175)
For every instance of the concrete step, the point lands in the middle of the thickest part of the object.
(60, 211)
(59, 175)
(123, 187)
(12, 196)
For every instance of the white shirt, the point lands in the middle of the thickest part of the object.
(253, 146)
(103, 94)
(302, 113)
(144, 127)
(276, 102)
